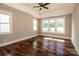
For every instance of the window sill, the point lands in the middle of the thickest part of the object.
(53, 33)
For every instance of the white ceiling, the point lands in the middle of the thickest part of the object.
(55, 9)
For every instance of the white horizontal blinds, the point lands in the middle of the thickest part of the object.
(53, 25)
(4, 18)
(4, 22)
(35, 25)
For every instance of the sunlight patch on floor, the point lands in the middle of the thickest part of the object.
(59, 40)
(46, 38)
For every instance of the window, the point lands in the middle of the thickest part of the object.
(45, 26)
(5, 22)
(60, 25)
(53, 25)
(35, 25)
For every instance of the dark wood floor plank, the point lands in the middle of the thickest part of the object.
(40, 46)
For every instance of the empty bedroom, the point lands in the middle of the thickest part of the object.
(39, 29)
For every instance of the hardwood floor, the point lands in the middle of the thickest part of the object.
(40, 46)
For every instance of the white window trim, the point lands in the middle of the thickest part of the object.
(11, 25)
(55, 27)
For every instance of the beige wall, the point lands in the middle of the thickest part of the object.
(22, 25)
(75, 28)
(68, 22)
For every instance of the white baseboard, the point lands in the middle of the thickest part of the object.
(76, 47)
(14, 41)
(55, 36)
(25, 38)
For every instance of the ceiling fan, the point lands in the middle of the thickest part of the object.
(42, 5)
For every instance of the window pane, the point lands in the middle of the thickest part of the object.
(5, 28)
(51, 25)
(60, 30)
(4, 18)
(45, 25)
(35, 25)
(60, 25)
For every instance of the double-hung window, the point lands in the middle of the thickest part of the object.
(5, 22)
(54, 25)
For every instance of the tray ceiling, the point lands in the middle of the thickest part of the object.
(55, 9)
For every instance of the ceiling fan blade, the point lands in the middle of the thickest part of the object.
(45, 7)
(46, 4)
(36, 6)
(40, 3)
